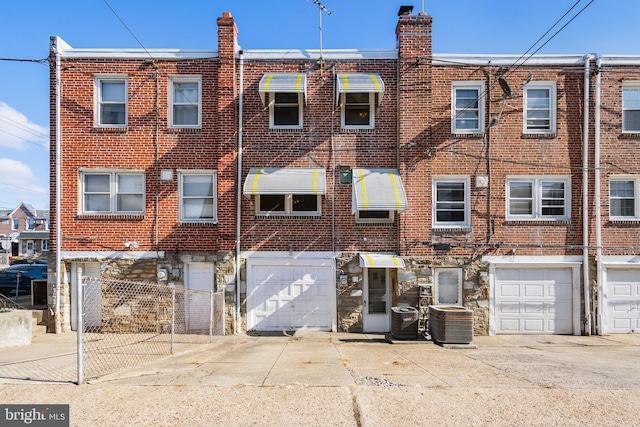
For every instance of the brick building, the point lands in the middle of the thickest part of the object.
(24, 232)
(321, 188)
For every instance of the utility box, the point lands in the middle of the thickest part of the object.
(450, 324)
(404, 323)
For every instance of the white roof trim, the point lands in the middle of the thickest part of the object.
(285, 181)
(455, 59)
(380, 260)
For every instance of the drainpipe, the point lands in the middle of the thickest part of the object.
(596, 184)
(239, 190)
(585, 197)
(56, 315)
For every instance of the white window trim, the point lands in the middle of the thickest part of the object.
(389, 220)
(552, 107)
(288, 208)
(181, 217)
(185, 79)
(466, 180)
(14, 226)
(628, 84)
(30, 224)
(113, 194)
(436, 287)
(371, 124)
(537, 198)
(44, 245)
(636, 197)
(472, 84)
(272, 103)
(98, 97)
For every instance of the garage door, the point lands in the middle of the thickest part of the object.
(622, 300)
(287, 294)
(533, 301)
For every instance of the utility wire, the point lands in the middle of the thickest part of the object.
(128, 29)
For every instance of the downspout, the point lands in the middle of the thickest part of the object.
(596, 184)
(239, 190)
(56, 315)
(585, 197)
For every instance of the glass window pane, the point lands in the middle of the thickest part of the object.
(371, 214)
(305, 203)
(553, 190)
(448, 287)
(520, 189)
(631, 97)
(198, 208)
(113, 91)
(129, 203)
(197, 185)
(97, 203)
(185, 115)
(112, 114)
(538, 98)
(621, 188)
(520, 207)
(286, 98)
(357, 98)
(623, 207)
(450, 191)
(186, 92)
(631, 121)
(271, 203)
(130, 184)
(356, 116)
(283, 116)
(97, 183)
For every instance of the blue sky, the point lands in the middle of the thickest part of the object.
(459, 26)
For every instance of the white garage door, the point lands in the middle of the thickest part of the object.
(533, 301)
(288, 293)
(622, 300)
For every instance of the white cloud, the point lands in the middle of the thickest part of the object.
(20, 186)
(16, 131)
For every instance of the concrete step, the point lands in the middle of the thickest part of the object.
(36, 329)
(39, 322)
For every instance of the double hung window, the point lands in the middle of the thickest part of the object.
(538, 199)
(357, 110)
(197, 195)
(185, 102)
(540, 108)
(451, 206)
(631, 107)
(285, 110)
(623, 198)
(111, 96)
(112, 192)
(287, 204)
(468, 107)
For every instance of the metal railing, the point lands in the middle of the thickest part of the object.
(127, 323)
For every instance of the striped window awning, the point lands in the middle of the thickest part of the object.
(283, 82)
(285, 181)
(377, 190)
(360, 82)
(380, 260)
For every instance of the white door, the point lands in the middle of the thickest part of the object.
(200, 277)
(622, 300)
(92, 315)
(290, 293)
(30, 246)
(376, 300)
(534, 301)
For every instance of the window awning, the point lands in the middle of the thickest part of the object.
(360, 82)
(380, 260)
(377, 190)
(285, 181)
(283, 82)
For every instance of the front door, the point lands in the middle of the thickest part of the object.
(92, 314)
(376, 301)
(200, 277)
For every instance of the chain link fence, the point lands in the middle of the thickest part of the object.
(128, 323)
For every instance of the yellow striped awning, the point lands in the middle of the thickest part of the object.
(377, 190)
(360, 82)
(285, 181)
(380, 260)
(283, 82)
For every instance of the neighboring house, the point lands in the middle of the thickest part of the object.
(334, 185)
(24, 231)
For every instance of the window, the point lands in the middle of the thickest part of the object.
(468, 107)
(31, 224)
(112, 193)
(198, 191)
(357, 110)
(45, 245)
(448, 286)
(538, 199)
(288, 204)
(540, 108)
(451, 207)
(112, 101)
(15, 223)
(374, 216)
(623, 200)
(285, 110)
(185, 102)
(631, 107)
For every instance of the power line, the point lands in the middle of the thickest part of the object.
(128, 29)
(23, 127)
(24, 139)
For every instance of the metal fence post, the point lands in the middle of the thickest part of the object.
(80, 324)
(173, 315)
(211, 319)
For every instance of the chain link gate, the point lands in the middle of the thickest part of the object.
(127, 323)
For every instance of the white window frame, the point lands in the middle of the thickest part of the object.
(44, 245)
(540, 85)
(15, 224)
(636, 199)
(343, 101)
(30, 224)
(536, 198)
(181, 197)
(387, 220)
(635, 86)
(273, 106)
(113, 192)
(466, 181)
(455, 111)
(438, 273)
(288, 209)
(99, 121)
(173, 103)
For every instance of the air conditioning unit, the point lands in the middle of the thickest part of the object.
(163, 274)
